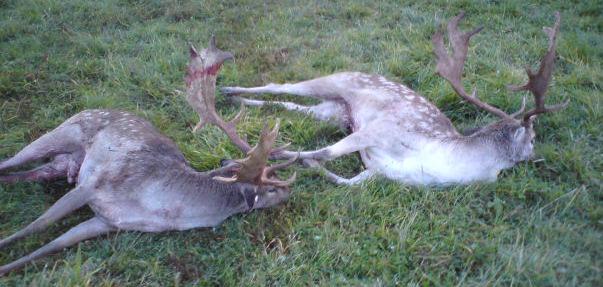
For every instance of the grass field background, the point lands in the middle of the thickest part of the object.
(540, 224)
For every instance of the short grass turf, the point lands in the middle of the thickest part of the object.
(540, 224)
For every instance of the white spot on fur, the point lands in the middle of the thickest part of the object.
(424, 125)
(417, 116)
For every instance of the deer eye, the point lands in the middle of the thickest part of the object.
(272, 190)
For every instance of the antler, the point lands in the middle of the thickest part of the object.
(201, 89)
(538, 82)
(253, 169)
(201, 83)
(451, 67)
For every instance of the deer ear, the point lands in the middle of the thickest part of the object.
(519, 133)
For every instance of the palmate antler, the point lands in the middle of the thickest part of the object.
(201, 88)
(451, 68)
(253, 168)
(201, 83)
(538, 82)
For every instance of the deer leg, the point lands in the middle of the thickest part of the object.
(60, 140)
(287, 105)
(336, 179)
(303, 89)
(62, 165)
(71, 201)
(353, 142)
(44, 172)
(85, 230)
(325, 111)
(351, 181)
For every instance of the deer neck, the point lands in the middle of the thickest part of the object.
(484, 153)
(200, 189)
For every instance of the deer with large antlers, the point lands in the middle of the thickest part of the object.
(402, 136)
(135, 178)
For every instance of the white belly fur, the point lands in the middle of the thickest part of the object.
(433, 164)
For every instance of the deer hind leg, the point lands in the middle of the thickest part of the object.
(62, 165)
(325, 111)
(58, 141)
(85, 230)
(304, 89)
(71, 201)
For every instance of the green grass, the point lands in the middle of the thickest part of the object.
(540, 224)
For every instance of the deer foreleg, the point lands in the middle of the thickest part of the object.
(71, 201)
(352, 143)
(85, 230)
(334, 178)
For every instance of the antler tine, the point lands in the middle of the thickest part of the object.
(252, 169)
(281, 183)
(201, 82)
(538, 82)
(212, 42)
(521, 109)
(271, 169)
(451, 67)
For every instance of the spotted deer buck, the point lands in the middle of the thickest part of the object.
(404, 137)
(135, 178)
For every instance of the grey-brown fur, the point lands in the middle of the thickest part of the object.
(133, 178)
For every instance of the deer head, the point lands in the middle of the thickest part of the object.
(517, 135)
(253, 169)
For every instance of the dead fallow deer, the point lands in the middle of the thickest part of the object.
(404, 137)
(135, 178)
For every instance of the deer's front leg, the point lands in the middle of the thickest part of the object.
(358, 140)
(334, 178)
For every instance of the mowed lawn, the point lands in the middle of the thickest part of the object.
(540, 224)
